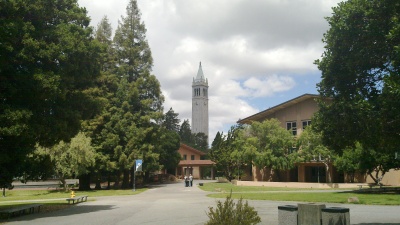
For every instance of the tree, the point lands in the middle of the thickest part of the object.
(126, 128)
(132, 49)
(171, 121)
(105, 88)
(48, 60)
(268, 145)
(224, 152)
(360, 77)
(350, 162)
(167, 145)
(70, 159)
(360, 160)
(185, 133)
(311, 148)
(195, 140)
(200, 141)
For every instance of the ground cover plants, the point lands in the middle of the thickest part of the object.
(231, 213)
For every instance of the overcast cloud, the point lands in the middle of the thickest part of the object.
(255, 54)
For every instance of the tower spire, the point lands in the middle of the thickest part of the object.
(200, 75)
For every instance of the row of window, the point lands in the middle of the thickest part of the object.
(196, 92)
(185, 157)
(292, 126)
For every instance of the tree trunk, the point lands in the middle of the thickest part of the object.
(98, 180)
(63, 183)
(125, 180)
(328, 173)
(117, 179)
(108, 181)
(84, 182)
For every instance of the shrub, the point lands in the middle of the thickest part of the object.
(229, 213)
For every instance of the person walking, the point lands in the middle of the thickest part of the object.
(190, 180)
(186, 179)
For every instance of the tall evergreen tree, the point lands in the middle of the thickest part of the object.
(171, 121)
(227, 154)
(132, 49)
(185, 133)
(126, 128)
(107, 86)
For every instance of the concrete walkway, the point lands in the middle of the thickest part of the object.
(179, 205)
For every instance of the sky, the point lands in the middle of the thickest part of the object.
(255, 54)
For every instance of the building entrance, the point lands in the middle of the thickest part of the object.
(315, 174)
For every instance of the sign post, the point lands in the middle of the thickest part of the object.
(138, 167)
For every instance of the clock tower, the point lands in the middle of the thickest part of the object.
(200, 103)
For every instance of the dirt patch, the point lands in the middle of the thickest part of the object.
(55, 207)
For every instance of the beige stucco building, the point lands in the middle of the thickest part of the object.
(192, 163)
(295, 115)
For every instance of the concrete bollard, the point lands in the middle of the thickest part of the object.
(335, 216)
(287, 215)
(309, 213)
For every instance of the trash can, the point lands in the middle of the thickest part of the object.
(336, 216)
(287, 215)
(309, 213)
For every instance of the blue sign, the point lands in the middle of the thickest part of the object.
(139, 163)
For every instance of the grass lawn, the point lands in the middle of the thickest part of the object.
(295, 194)
(54, 199)
(21, 194)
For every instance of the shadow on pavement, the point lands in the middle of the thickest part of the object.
(63, 212)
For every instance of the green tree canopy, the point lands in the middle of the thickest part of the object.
(126, 128)
(70, 159)
(48, 60)
(311, 148)
(185, 132)
(268, 145)
(171, 121)
(360, 77)
(226, 153)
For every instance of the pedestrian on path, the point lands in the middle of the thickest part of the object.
(186, 179)
(190, 180)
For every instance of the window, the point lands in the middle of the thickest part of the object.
(192, 157)
(184, 157)
(292, 126)
(306, 123)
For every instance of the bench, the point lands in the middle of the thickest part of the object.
(74, 200)
(20, 210)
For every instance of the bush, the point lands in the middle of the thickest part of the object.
(229, 213)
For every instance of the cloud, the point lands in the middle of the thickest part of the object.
(269, 85)
(251, 51)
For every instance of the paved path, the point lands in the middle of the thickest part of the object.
(179, 205)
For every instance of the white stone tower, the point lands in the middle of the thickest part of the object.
(200, 103)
